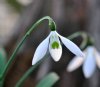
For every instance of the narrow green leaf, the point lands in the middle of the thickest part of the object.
(2, 59)
(29, 71)
(49, 80)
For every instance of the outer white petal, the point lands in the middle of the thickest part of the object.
(71, 46)
(41, 50)
(97, 56)
(90, 63)
(75, 63)
(56, 53)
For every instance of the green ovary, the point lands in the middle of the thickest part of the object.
(55, 45)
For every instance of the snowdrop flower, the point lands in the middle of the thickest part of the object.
(91, 59)
(53, 44)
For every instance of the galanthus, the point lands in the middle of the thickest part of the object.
(53, 44)
(91, 59)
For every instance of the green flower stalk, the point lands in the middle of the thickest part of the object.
(52, 42)
(29, 71)
(52, 27)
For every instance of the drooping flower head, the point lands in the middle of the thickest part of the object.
(91, 59)
(53, 43)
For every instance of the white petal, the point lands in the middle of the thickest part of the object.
(90, 63)
(75, 63)
(97, 56)
(71, 46)
(41, 50)
(56, 53)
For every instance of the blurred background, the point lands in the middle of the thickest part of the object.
(16, 16)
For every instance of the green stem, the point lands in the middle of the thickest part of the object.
(84, 36)
(85, 40)
(52, 27)
(1, 83)
(23, 78)
(74, 35)
(26, 75)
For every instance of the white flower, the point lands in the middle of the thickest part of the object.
(91, 59)
(53, 43)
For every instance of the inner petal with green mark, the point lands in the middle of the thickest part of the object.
(55, 45)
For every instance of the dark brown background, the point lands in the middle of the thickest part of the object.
(70, 16)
